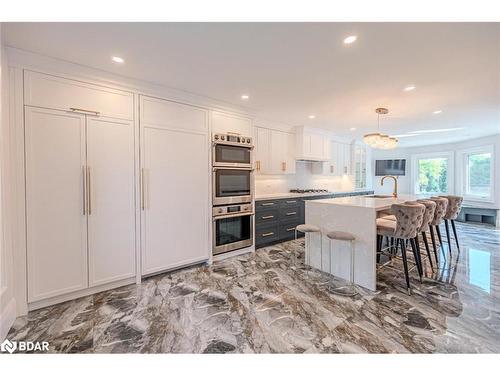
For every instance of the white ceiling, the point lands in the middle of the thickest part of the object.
(292, 70)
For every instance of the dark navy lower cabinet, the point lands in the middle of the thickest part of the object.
(275, 220)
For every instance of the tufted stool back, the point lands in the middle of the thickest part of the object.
(454, 206)
(441, 206)
(409, 218)
(430, 209)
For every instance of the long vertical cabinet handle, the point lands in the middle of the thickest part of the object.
(84, 190)
(89, 192)
(143, 193)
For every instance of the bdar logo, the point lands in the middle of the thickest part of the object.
(8, 346)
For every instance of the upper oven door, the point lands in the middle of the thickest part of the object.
(232, 185)
(232, 156)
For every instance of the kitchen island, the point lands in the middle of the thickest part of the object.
(357, 215)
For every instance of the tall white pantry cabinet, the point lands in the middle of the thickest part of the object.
(82, 184)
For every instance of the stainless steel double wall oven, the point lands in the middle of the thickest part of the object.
(232, 192)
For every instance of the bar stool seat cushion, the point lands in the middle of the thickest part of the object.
(307, 228)
(386, 227)
(339, 235)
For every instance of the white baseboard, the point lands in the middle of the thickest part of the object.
(7, 318)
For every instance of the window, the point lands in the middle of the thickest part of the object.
(478, 174)
(433, 173)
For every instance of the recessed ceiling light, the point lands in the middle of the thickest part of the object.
(118, 59)
(437, 112)
(410, 88)
(352, 129)
(435, 130)
(350, 39)
(312, 117)
(245, 97)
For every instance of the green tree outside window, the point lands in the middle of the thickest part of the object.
(432, 175)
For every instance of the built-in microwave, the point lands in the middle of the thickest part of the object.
(232, 151)
(231, 185)
(232, 228)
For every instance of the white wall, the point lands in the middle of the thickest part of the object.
(7, 301)
(302, 179)
(404, 182)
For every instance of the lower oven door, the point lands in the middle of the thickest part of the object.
(232, 232)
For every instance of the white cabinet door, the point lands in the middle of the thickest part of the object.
(347, 159)
(176, 181)
(316, 146)
(277, 149)
(111, 219)
(231, 123)
(56, 223)
(340, 158)
(262, 150)
(290, 153)
(282, 149)
(48, 91)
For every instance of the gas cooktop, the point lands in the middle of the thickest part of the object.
(303, 191)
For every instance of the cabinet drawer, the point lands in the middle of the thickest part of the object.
(289, 203)
(47, 91)
(264, 217)
(266, 234)
(287, 231)
(266, 205)
(290, 214)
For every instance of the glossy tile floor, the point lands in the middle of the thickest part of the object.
(269, 302)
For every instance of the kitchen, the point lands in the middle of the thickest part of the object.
(157, 212)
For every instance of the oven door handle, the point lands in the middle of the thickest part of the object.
(233, 168)
(215, 218)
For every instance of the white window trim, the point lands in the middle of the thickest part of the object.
(450, 180)
(462, 173)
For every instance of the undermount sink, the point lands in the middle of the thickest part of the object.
(378, 196)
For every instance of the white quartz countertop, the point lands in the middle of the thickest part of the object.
(364, 201)
(263, 197)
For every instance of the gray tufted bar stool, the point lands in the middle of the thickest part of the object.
(336, 235)
(452, 211)
(409, 218)
(307, 229)
(439, 213)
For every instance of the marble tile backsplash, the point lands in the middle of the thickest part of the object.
(302, 179)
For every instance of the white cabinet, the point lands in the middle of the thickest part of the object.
(344, 158)
(79, 201)
(311, 144)
(111, 216)
(338, 163)
(274, 151)
(47, 91)
(56, 224)
(262, 150)
(282, 149)
(175, 184)
(223, 122)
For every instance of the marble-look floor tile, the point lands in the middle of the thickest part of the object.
(270, 302)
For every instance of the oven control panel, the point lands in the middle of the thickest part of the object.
(232, 139)
(233, 209)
